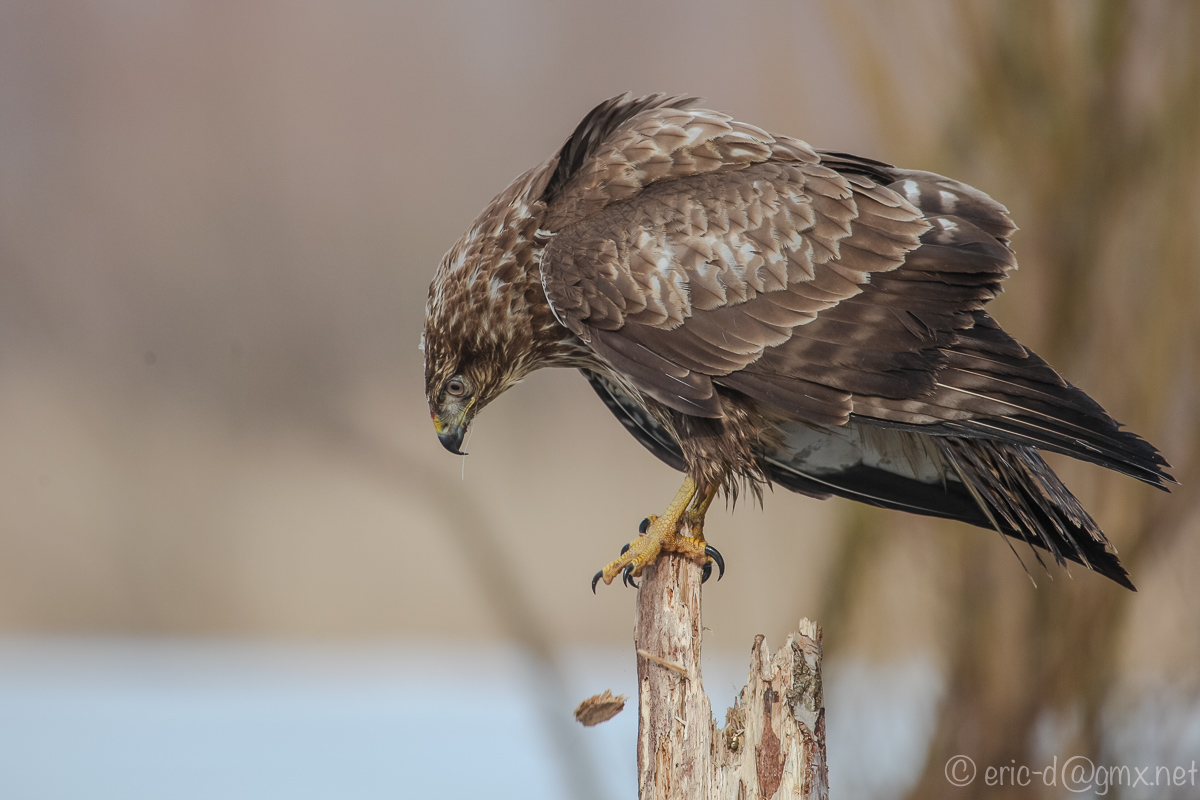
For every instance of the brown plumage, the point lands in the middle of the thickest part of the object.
(755, 311)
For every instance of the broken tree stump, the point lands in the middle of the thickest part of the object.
(773, 741)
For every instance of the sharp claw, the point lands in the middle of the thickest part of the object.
(627, 577)
(625, 548)
(596, 579)
(707, 573)
(644, 526)
(715, 555)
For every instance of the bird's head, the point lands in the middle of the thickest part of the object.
(477, 343)
(457, 386)
(453, 403)
(488, 323)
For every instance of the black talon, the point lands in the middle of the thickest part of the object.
(644, 525)
(707, 572)
(715, 555)
(627, 577)
(596, 579)
(625, 548)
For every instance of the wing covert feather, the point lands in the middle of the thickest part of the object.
(712, 271)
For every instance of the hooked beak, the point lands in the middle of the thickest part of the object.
(451, 436)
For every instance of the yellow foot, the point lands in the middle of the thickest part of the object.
(661, 534)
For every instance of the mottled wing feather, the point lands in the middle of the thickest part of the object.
(889, 342)
(596, 127)
(697, 277)
(688, 250)
(650, 142)
(938, 195)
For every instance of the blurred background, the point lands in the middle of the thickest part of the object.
(234, 559)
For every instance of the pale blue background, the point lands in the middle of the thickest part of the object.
(129, 719)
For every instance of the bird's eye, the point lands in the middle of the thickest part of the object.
(455, 387)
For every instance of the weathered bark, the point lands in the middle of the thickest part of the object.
(675, 727)
(773, 742)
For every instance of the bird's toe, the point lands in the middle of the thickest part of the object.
(627, 577)
(715, 555)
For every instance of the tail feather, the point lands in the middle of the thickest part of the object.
(997, 485)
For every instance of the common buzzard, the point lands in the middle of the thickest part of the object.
(758, 312)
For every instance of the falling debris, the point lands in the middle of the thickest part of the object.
(600, 708)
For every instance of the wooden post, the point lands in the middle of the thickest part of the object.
(773, 741)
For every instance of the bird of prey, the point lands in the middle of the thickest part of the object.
(757, 312)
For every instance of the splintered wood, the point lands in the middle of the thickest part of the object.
(773, 741)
